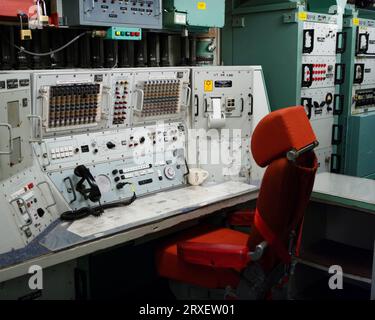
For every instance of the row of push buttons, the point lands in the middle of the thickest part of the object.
(62, 152)
(128, 34)
(138, 173)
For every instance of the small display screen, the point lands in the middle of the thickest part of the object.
(223, 84)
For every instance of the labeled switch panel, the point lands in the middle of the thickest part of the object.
(119, 13)
(321, 74)
(66, 152)
(150, 159)
(223, 99)
(224, 113)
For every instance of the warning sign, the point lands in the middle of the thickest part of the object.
(208, 85)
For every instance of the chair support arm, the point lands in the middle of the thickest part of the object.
(259, 251)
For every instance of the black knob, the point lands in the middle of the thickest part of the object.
(110, 145)
(119, 186)
(40, 212)
(114, 172)
(142, 140)
(117, 179)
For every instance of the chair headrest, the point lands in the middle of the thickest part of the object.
(280, 132)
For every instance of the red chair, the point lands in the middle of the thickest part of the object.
(212, 262)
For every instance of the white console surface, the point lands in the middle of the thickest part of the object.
(158, 206)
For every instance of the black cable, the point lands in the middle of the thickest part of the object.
(43, 54)
(187, 168)
(94, 211)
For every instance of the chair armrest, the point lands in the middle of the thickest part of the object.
(214, 255)
(241, 218)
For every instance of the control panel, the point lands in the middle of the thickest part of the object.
(84, 101)
(15, 123)
(321, 75)
(365, 42)
(148, 158)
(161, 95)
(121, 95)
(222, 115)
(321, 103)
(120, 33)
(131, 13)
(69, 102)
(364, 69)
(29, 205)
(222, 99)
(94, 139)
(364, 100)
(320, 39)
(72, 105)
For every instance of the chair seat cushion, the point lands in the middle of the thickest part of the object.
(170, 265)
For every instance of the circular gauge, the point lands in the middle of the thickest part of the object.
(170, 172)
(104, 183)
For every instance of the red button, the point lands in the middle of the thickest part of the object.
(132, 34)
(30, 185)
(137, 34)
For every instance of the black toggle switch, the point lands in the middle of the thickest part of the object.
(110, 145)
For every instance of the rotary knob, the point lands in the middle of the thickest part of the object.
(170, 172)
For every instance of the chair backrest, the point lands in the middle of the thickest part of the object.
(287, 185)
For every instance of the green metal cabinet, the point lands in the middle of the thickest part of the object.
(357, 152)
(361, 146)
(278, 35)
